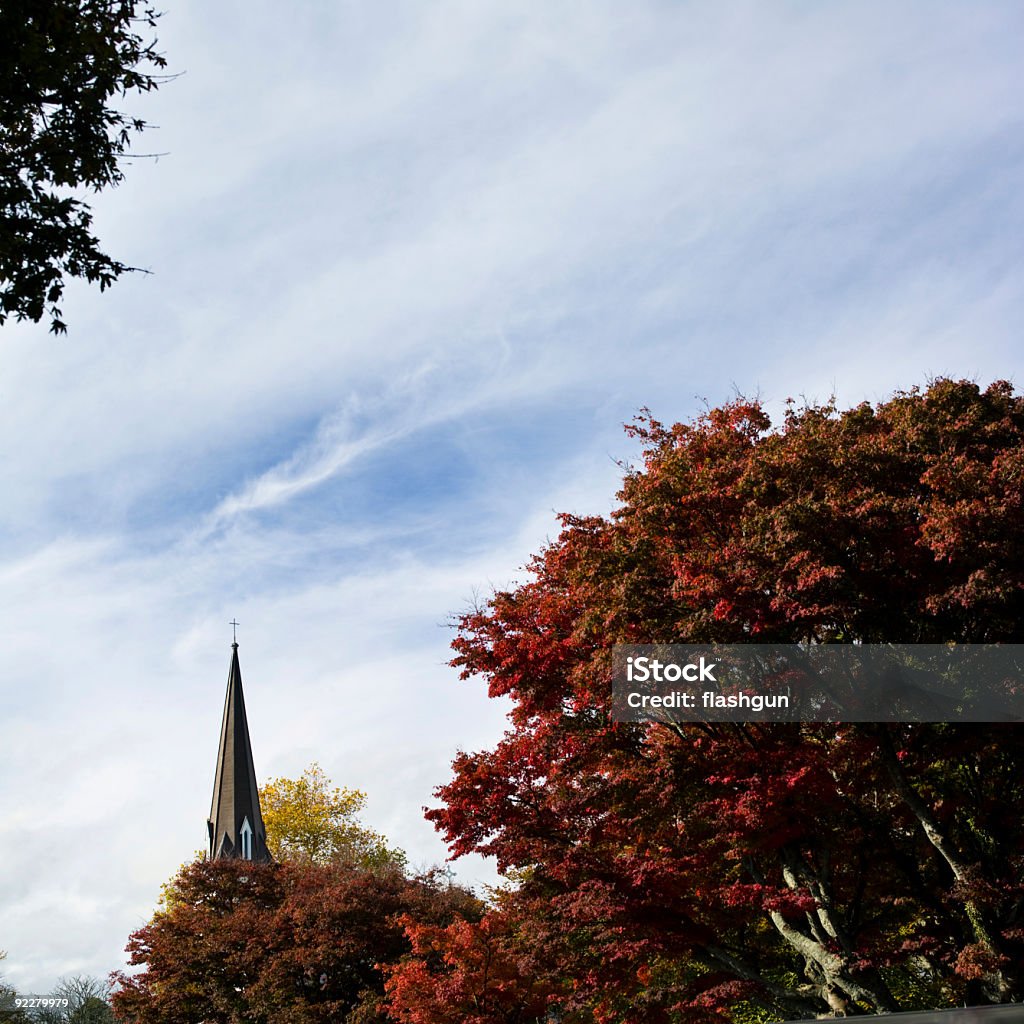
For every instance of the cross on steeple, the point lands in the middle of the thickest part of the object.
(234, 625)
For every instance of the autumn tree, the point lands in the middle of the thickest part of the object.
(309, 818)
(284, 943)
(762, 871)
(62, 63)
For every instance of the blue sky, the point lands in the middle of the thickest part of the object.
(414, 265)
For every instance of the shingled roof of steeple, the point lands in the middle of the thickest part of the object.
(235, 823)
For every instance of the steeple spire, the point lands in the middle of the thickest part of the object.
(235, 823)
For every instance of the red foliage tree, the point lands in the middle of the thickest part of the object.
(282, 943)
(469, 973)
(677, 873)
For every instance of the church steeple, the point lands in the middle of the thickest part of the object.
(235, 823)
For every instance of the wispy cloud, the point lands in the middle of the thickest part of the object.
(417, 401)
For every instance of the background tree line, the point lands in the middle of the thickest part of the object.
(80, 999)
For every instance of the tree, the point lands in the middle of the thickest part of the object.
(61, 63)
(10, 1013)
(764, 871)
(307, 818)
(284, 943)
(81, 1000)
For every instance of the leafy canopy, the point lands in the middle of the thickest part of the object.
(758, 871)
(282, 943)
(62, 62)
(308, 818)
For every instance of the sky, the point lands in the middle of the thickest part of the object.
(413, 266)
